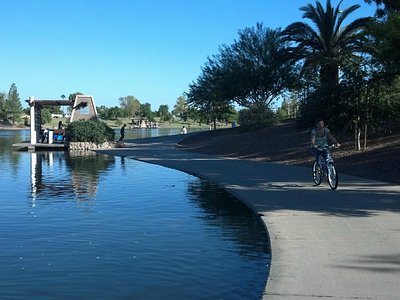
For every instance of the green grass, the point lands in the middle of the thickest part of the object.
(176, 124)
(120, 121)
(54, 122)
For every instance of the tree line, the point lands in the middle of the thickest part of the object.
(11, 109)
(131, 107)
(347, 74)
(10, 105)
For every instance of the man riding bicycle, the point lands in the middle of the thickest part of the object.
(320, 136)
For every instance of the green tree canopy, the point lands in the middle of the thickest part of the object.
(115, 112)
(329, 44)
(255, 68)
(45, 115)
(163, 113)
(181, 108)
(2, 105)
(252, 72)
(385, 6)
(385, 46)
(12, 105)
(145, 111)
(207, 97)
(73, 96)
(131, 105)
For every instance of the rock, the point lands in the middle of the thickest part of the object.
(119, 144)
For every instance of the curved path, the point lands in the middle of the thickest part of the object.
(342, 244)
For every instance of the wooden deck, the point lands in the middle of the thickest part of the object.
(26, 146)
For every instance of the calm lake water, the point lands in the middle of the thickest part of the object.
(76, 226)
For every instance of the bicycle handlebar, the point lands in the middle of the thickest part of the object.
(319, 148)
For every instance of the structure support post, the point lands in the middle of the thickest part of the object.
(33, 120)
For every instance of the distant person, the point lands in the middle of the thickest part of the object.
(320, 136)
(122, 132)
(184, 130)
(45, 135)
(60, 125)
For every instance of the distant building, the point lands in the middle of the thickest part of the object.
(139, 122)
(56, 116)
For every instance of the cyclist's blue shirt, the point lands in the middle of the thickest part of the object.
(321, 140)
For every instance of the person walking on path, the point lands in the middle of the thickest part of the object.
(122, 132)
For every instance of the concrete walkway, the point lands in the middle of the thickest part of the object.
(342, 244)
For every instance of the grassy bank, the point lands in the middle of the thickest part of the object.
(288, 144)
(112, 123)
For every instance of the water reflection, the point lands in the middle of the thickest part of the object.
(237, 221)
(123, 163)
(140, 225)
(86, 168)
(67, 175)
(7, 155)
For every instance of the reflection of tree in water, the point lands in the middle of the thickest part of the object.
(63, 176)
(50, 186)
(237, 221)
(86, 167)
(7, 155)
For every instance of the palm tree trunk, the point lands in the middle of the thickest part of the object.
(329, 75)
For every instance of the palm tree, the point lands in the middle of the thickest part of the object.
(328, 46)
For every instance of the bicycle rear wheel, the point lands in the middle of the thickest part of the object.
(333, 177)
(316, 173)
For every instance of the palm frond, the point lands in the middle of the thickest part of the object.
(343, 15)
(349, 32)
(314, 14)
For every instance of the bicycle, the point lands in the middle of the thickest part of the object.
(322, 167)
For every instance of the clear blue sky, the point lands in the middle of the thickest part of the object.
(150, 49)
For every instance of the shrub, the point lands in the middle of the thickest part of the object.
(89, 131)
(256, 118)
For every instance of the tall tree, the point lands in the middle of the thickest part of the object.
(13, 106)
(208, 95)
(103, 111)
(256, 67)
(163, 113)
(131, 105)
(2, 105)
(385, 6)
(145, 111)
(73, 96)
(328, 45)
(385, 34)
(181, 108)
(115, 112)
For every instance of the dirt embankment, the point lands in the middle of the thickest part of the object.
(288, 144)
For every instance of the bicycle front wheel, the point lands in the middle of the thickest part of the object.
(316, 173)
(333, 176)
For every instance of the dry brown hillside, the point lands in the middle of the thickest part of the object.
(288, 144)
